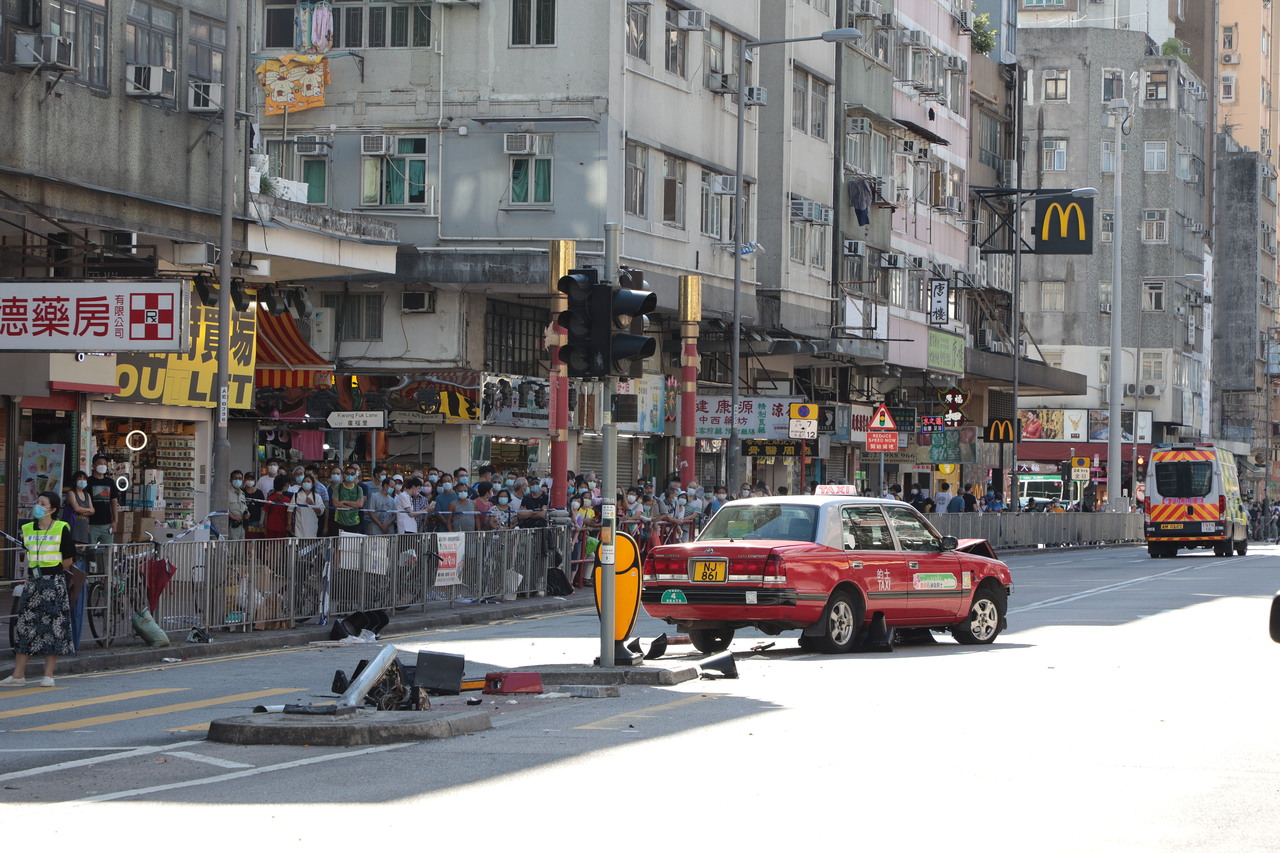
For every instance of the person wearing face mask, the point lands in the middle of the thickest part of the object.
(720, 499)
(237, 506)
(406, 515)
(43, 625)
(348, 500)
(80, 506)
(483, 503)
(462, 518)
(255, 499)
(533, 507)
(502, 517)
(461, 481)
(295, 481)
(106, 500)
(745, 491)
(267, 481)
(307, 509)
(443, 503)
(382, 504)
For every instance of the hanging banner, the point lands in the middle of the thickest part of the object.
(452, 549)
(94, 316)
(42, 466)
(187, 378)
(293, 82)
(758, 417)
(939, 291)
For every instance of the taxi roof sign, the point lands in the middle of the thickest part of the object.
(881, 419)
(833, 489)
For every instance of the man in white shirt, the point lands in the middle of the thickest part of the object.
(406, 521)
(942, 497)
(267, 481)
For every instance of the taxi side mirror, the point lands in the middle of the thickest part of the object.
(950, 543)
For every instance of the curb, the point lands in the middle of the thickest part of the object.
(364, 729)
(94, 659)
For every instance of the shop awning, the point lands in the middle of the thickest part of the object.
(285, 360)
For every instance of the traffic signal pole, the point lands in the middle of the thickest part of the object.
(609, 481)
(560, 259)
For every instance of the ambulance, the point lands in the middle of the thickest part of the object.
(1193, 501)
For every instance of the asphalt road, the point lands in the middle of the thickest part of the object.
(1131, 706)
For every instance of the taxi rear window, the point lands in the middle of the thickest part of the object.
(1183, 479)
(762, 521)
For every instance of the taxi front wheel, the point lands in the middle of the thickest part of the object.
(710, 640)
(983, 623)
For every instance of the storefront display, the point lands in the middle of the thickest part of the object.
(157, 458)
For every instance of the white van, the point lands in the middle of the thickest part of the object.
(1193, 501)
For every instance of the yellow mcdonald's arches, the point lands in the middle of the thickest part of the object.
(1000, 430)
(1064, 219)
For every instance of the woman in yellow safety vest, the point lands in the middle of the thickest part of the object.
(44, 625)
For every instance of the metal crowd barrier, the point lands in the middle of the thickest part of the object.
(270, 584)
(1041, 529)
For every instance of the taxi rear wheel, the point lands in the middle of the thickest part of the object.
(983, 625)
(841, 621)
(709, 640)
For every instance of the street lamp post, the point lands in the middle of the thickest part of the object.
(733, 473)
(1119, 109)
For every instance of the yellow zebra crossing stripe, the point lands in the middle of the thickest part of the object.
(622, 721)
(88, 722)
(80, 703)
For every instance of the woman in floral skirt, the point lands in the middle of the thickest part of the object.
(44, 624)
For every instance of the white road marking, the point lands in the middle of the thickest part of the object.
(241, 774)
(208, 759)
(85, 762)
(1098, 590)
(74, 749)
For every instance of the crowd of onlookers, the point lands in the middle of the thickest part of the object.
(1264, 521)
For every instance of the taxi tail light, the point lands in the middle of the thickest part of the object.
(774, 570)
(655, 566)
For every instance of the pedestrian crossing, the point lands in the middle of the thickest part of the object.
(59, 708)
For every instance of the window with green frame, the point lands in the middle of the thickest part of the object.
(400, 179)
(530, 180)
(315, 174)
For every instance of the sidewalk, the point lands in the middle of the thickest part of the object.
(436, 614)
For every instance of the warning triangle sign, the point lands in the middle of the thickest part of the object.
(882, 419)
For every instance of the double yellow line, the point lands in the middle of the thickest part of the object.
(88, 722)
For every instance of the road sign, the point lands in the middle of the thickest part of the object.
(1080, 462)
(798, 428)
(358, 420)
(1080, 474)
(882, 441)
(881, 419)
(905, 418)
(804, 412)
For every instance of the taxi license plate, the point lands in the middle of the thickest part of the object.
(1171, 527)
(709, 571)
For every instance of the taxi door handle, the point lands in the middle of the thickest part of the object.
(913, 565)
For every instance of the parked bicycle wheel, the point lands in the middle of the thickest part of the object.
(107, 624)
(13, 621)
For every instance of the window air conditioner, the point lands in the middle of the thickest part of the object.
(148, 81)
(1104, 307)
(692, 19)
(858, 125)
(855, 248)
(756, 96)
(38, 50)
(376, 144)
(823, 215)
(724, 184)
(892, 261)
(907, 146)
(886, 21)
(417, 302)
(867, 9)
(1130, 389)
(915, 262)
(918, 38)
(954, 204)
(1230, 59)
(965, 18)
(722, 84)
(310, 145)
(922, 152)
(803, 209)
(1009, 172)
(203, 97)
(1150, 390)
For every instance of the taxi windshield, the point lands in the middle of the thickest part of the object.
(762, 521)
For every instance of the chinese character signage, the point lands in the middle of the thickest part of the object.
(187, 378)
(94, 316)
(757, 417)
(933, 423)
(781, 449)
(938, 301)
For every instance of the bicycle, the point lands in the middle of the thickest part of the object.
(116, 595)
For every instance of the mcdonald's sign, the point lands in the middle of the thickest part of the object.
(1064, 225)
(1001, 430)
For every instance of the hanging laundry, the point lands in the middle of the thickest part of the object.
(302, 28)
(321, 27)
(861, 194)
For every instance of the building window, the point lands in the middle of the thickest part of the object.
(278, 29)
(713, 45)
(533, 22)
(1155, 156)
(1153, 296)
(1228, 87)
(151, 34)
(637, 201)
(799, 233)
(206, 42)
(1157, 86)
(897, 281)
(84, 22)
(400, 179)
(1041, 4)
(531, 174)
(712, 207)
(855, 152)
(1152, 366)
(1228, 39)
(1112, 85)
(513, 338)
(359, 315)
(1155, 226)
(1053, 155)
(1053, 296)
(677, 44)
(673, 191)
(1108, 156)
(1104, 367)
(1055, 85)
(315, 174)
(818, 109)
(379, 25)
(638, 30)
(1108, 227)
(819, 239)
(800, 100)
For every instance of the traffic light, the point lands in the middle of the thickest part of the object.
(627, 310)
(580, 353)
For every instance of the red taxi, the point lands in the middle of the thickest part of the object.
(828, 565)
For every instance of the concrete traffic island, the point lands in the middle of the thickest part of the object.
(363, 728)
